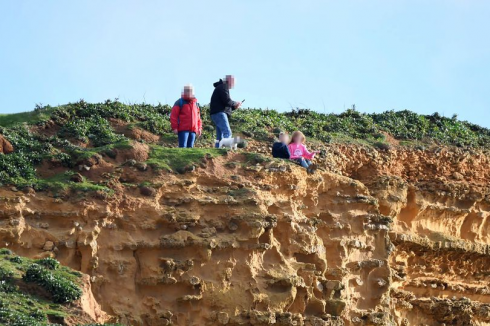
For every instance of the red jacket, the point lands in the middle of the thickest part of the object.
(187, 117)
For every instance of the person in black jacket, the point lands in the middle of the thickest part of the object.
(222, 106)
(280, 149)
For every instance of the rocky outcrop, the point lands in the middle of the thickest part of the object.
(5, 146)
(232, 243)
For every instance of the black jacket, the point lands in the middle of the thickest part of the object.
(280, 150)
(220, 100)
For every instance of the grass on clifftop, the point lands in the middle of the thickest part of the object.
(33, 117)
(62, 182)
(178, 159)
(76, 131)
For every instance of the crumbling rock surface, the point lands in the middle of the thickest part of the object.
(400, 242)
(5, 146)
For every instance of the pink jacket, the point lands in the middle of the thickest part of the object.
(299, 151)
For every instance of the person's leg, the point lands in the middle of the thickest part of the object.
(191, 140)
(223, 129)
(219, 133)
(308, 162)
(298, 161)
(183, 136)
(304, 163)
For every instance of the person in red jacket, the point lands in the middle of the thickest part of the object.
(185, 118)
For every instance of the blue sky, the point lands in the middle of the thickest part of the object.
(424, 56)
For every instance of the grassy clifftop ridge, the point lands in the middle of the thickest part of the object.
(70, 134)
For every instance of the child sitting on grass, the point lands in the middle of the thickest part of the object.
(280, 148)
(299, 153)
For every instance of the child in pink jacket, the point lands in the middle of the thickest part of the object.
(299, 153)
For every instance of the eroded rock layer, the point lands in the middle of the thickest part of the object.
(239, 244)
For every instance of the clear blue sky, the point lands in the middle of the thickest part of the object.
(420, 55)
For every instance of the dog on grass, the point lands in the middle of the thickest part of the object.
(231, 143)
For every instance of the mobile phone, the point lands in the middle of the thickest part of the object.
(243, 101)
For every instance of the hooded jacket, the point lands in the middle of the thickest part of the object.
(220, 100)
(187, 117)
(280, 150)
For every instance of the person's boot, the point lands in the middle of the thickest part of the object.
(312, 168)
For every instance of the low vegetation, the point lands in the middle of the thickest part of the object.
(61, 289)
(39, 305)
(180, 159)
(81, 130)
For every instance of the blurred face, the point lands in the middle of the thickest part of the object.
(230, 80)
(188, 92)
(284, 138)
(297, 139)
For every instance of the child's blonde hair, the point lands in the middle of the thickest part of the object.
(298, 133)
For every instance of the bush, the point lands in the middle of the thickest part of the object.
(94, 128)
(6, 280)
(64, 158)
(17, 168)
(62, 290)
(5, 251)
(49, 263)
(16, 259)
(13, 318)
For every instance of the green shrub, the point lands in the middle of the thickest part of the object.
(49, 263)
(64, 158)
(18, 167)
(93, 128)
(62, 290)
(13, 318)
(5, 251)
(6, 280)
(16, 259)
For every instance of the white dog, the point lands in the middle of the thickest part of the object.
(231, 143)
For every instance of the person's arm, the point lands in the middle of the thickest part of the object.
(174, 118)
(308, 155)
(199, 121)
(287, 153)
(290, 150)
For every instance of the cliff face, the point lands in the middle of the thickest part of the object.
(397, 237)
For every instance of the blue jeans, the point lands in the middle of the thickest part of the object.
(223, 129)
(303, 162)
(186, 139)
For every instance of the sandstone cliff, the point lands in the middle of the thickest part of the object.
(375, 237)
